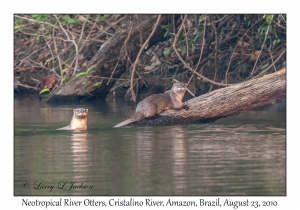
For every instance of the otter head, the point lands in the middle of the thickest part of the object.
(80, 112)
(179, 88)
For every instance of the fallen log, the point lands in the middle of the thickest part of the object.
(225, 102)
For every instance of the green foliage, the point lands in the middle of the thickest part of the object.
(276, 41)
(167, 51)
(40, 17)
(86, 72)
(17, 23)
(181, 37)
(71, 53)
(165, 27)
(263, 28)
(53, 21)
(63, 70)
(273, 31)
(193, 39)
(90, 68)
(268, 18)
(265, 66)
(64, 79)
(45, 89)
(96, 84)
(68, 19)
(80, 74)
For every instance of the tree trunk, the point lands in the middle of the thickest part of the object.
(225, 102)
(111, 61)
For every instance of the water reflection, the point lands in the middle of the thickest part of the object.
(241, 155)
(179, 155)
(80, 151)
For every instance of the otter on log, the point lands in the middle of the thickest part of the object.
(78, 121)
(155, 104)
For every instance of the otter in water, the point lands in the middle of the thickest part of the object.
(78, 121)
(155, 104)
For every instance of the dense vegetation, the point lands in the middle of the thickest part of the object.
(206, 51)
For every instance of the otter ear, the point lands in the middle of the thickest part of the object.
(74, 110)
(86, 110)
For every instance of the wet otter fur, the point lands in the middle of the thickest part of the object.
(78, 121)
(155, 104)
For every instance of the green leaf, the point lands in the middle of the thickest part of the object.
(84, 82)
(53, 21)
(66, 17)
(91, 86)
(97, 84)
(80, 45)
(164, 26)
(16, 27)
(166, 33)
(44, 90)
(181, 37)
(90, 68)
(282, 17)
(18, 21)
(268, 18)
(273, 30)
(276, 41)
(64, 79)
(71, 21)
(262, 28)
(167, 51)
(80, 74)
(195, 38)
(265, 66)
(63, 70)
(214, 42)
(71, 53)
(40, 17)
(47, 26)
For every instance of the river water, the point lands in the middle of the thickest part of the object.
(240, 155)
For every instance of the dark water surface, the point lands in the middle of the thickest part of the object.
(241, 155)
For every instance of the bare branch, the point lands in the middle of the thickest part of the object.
(138, 56)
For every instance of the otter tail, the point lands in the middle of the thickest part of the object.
(136, 117)
(126, 122)
(65, 128)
